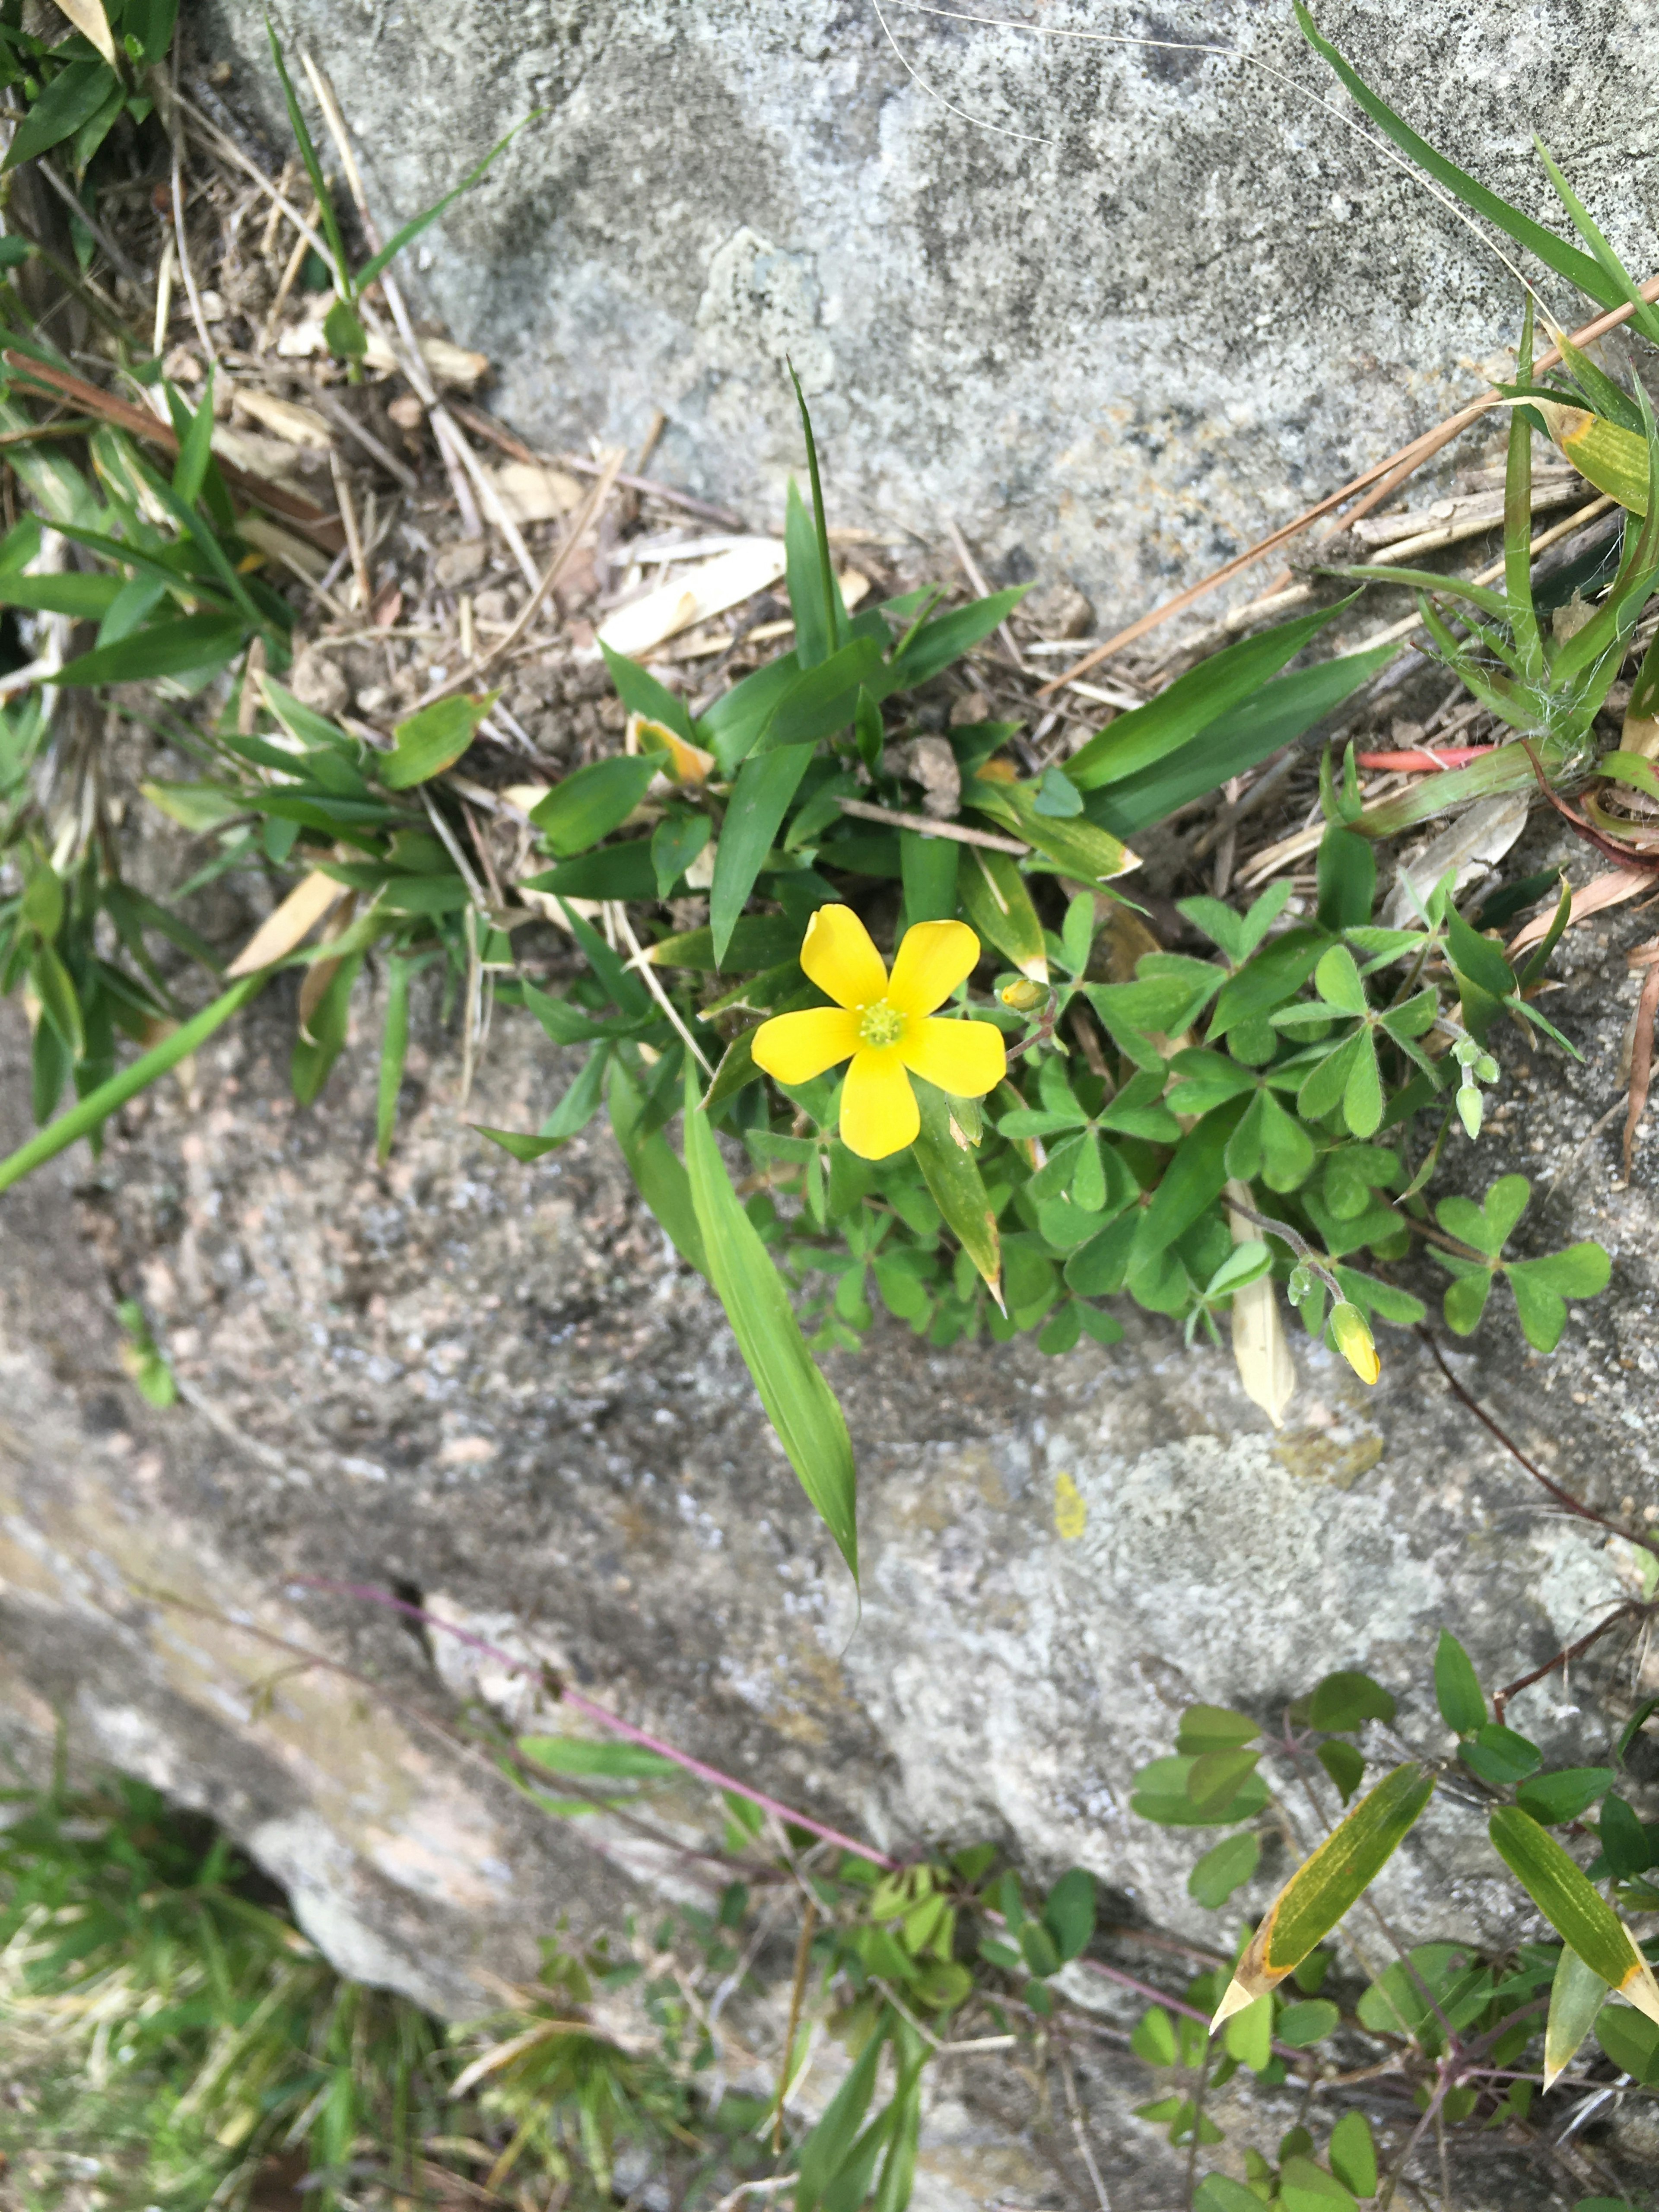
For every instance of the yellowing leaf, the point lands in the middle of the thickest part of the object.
(1070, 1514)
(1326, 1885)
(679, 762)
(281, 931)
(1615, 460)
(1573, 1906)
(999, 906)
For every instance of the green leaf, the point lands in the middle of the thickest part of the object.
(394, 1050)
(315, 1056)
(641, 694)
(1632, 2044)
(1577, 268)
(1214, 1776)
(1217, 2193)
(1576, 1996)
(947, 637)
(760, 799)
(1214, 1727)
(74, 97)
(1345, 1701)
(1540, 1286)
(798, 1402)
(1552, 1798)
(193, 645)
(1191, 1183)
(658, 1174)
(1573, 1906)
(1466, 1300)
(1225, 1867)
(816, 637)
(1273, 975)
(821, 701)
(1305, 2187)
(1153, 2038)
(999, 906)
(1069, 1913)
(826, 2151)
(1499, 1756)
(88, 598)
(1399, 2001)
(1148, 735)
(951, 1173)
(58, 1001)
(427, 742)
(675, 843)
(1279, 714)
(593, 802)
(581, 1754)
(1345, 1766)
(1161, 1796)
(1353, 2154)
(1300, 2025)
(1250, 2034)
(1456, 1687)
(1347, 878)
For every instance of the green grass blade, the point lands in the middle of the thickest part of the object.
(1644, 319)
(394, 1050)
(1147, 735)
(760, 798)
(659, 1175)
(411, 231)
(834, 614)
(798, 1402)
(313, 167)
(1573, 1906)
(1517, 523)
(98, 1105)
(1554, 253)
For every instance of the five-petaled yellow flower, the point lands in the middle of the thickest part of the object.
(881, 1023)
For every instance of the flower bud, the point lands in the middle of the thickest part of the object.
(1024, 997)
(1352, 1339)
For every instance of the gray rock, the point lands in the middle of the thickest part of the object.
(1116, 301)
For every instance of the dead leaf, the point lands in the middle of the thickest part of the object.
(708, 589)
(90, 21)
(1594, 897)
(282, 930)
(286, 419)
(530, 493)
(1474, 844)
(1641, 1059)
(1261, 1350)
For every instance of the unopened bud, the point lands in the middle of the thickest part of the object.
(1352, 1339)
(1470, 1108)
(1024, 997)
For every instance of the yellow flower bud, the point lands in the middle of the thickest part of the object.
(1024, 997)
(1353, 1340)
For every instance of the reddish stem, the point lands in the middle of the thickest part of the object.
(586, 1706)
(1449, 756)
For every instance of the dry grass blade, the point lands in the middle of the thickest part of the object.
(1641, 1056)
(281, 931)
(580, 523)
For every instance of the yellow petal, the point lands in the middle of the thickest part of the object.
(878, 1111)
(795, 1047)
(966, 1059)
(840, 958)
(934, 957)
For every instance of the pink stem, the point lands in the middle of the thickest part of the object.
(586, 1706)
(1450, 756)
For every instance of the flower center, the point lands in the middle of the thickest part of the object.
(880, 1025)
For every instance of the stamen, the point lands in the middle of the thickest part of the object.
(880, 1025)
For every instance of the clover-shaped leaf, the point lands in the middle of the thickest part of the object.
(1542, 1286)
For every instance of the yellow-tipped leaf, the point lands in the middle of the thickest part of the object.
(1573, 1906)
(1326, 1885)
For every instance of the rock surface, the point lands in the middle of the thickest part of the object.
(492, 1387)
(1116, 301)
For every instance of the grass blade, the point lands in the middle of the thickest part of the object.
(411, 231)
(760, 798)
(798, 1402)
(1554, 253)
(1573, 1906)
(98, 1105)
(1576, 1996)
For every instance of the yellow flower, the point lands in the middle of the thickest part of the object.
(882, 1026)
(1353, 1340)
